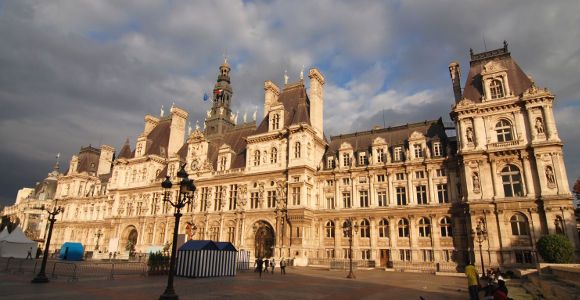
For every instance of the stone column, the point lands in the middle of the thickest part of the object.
(372, 192)
(549, 123)
(373, 237)
(410, 192)
(391, 191)
(528, 175)
(479, 129)
(435, 237)
(430, 192)
(521, 126)
(559, 173)
(494, 178)
(337, 194)
(413, 236)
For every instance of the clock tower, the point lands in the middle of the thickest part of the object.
(220, 118)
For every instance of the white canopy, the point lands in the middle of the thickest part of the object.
(17, 245)
(4, 234)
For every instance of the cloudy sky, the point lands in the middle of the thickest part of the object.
(74, 73)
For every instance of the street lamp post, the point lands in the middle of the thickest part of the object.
(41, 277)
(480, 235)
(184, 196)
(348, 230)
(99, 234)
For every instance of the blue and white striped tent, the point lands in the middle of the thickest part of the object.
(201, 258)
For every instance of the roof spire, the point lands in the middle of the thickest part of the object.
(302, 73)
(285, 76)
(57, 165)
(160, 114)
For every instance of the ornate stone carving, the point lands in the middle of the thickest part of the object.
(469, 134)
(550, 176)
(476, 182)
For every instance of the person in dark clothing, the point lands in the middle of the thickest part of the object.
(501, 291)
(283, 266)
(260, 265)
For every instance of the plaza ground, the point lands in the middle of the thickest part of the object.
(299, 283)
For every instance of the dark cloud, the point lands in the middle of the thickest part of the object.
(74, 73)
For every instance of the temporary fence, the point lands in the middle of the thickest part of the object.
(244, 262)
(206, 263)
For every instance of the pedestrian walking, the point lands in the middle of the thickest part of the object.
(273, 265)
(472, 281)
(260, 262)
(266, 265)
(29, 253)
(110, 255)
(283, 266)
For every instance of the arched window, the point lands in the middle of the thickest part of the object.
(274, 155)
(424, 227)
(512, 181)
(345, 225)
(384, 228)
(519, 225)
(446, 227)
(503, 128)
(257, 158)
(365, 230)
(403, 228)
(297, 150)
(496, 89)
(329, 229)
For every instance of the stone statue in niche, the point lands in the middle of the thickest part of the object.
(476, 183)
(539, 125)
(469, 134)
(550, 177)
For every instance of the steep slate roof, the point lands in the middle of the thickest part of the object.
(88, 159)
(126, 150)
(158, 138)
(296, 107)
(517, 79)
(236, 139)
(398, 135)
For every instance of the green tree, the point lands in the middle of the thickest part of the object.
(555, 248)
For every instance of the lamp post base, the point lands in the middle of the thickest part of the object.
(350, 275)
(40, 278)
(169, 295)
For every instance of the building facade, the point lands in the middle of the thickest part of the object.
(278, 187)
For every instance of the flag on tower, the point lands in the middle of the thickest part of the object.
(218, 91)
(205, 96)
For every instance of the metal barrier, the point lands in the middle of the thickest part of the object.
(65, 269)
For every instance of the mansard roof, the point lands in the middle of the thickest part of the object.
(88, 159)
(518, 80)
(397, 135)
(236, 138)
(296, 107)
(125, 151)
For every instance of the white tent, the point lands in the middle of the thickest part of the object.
(17, 245)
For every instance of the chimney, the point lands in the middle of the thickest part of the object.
(316, 100)
(271, 93)
(177, 130)
(105, 159)
(150, 123)
(455, 73)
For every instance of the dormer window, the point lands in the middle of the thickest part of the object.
(362, 159)
(436, 149)
(330, 162)
(503, 128)
(496, 89)
(257, 158)
(223, 163)
(345, 159)
(380, 155)
(418, 150)
(275, 121)
(398, 154)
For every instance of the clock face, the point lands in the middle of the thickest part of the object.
(194, 164)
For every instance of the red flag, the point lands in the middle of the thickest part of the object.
(217, 91)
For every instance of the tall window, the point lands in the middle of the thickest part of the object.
(231, 234)
(436, 149)
(257, 158)
(403, 226)
(398, 154)
(345, 233)
(346, 159)
(382, 196)
(276, 121)
(380, 155)
(384, 228)
(329, 228)
(362, 159)
(405, 255)
(330, 162)
(233, 196)
(512, 181)
(330, 202)
(424, 227)
(205, 192)
(274, 155)
(346, 200)
(296, 195)
(401, 196)
(496, 89)
(421, 194)
(381, 178)
(365, 229)
(364, 199)
(519, 225)
(446, 227)
(503, 128)
(219, 193)
(297, 150)
(223, 163)
(254, 199)
(271, 199)
(442, 193)
(418, 150)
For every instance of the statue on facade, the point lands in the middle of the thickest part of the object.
(550, 176)
(476, 183)
(539, 125)
(469, 134)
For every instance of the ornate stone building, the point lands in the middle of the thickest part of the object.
(280, 187)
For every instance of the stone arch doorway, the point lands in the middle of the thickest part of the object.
(129, 239)
(264, 239)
